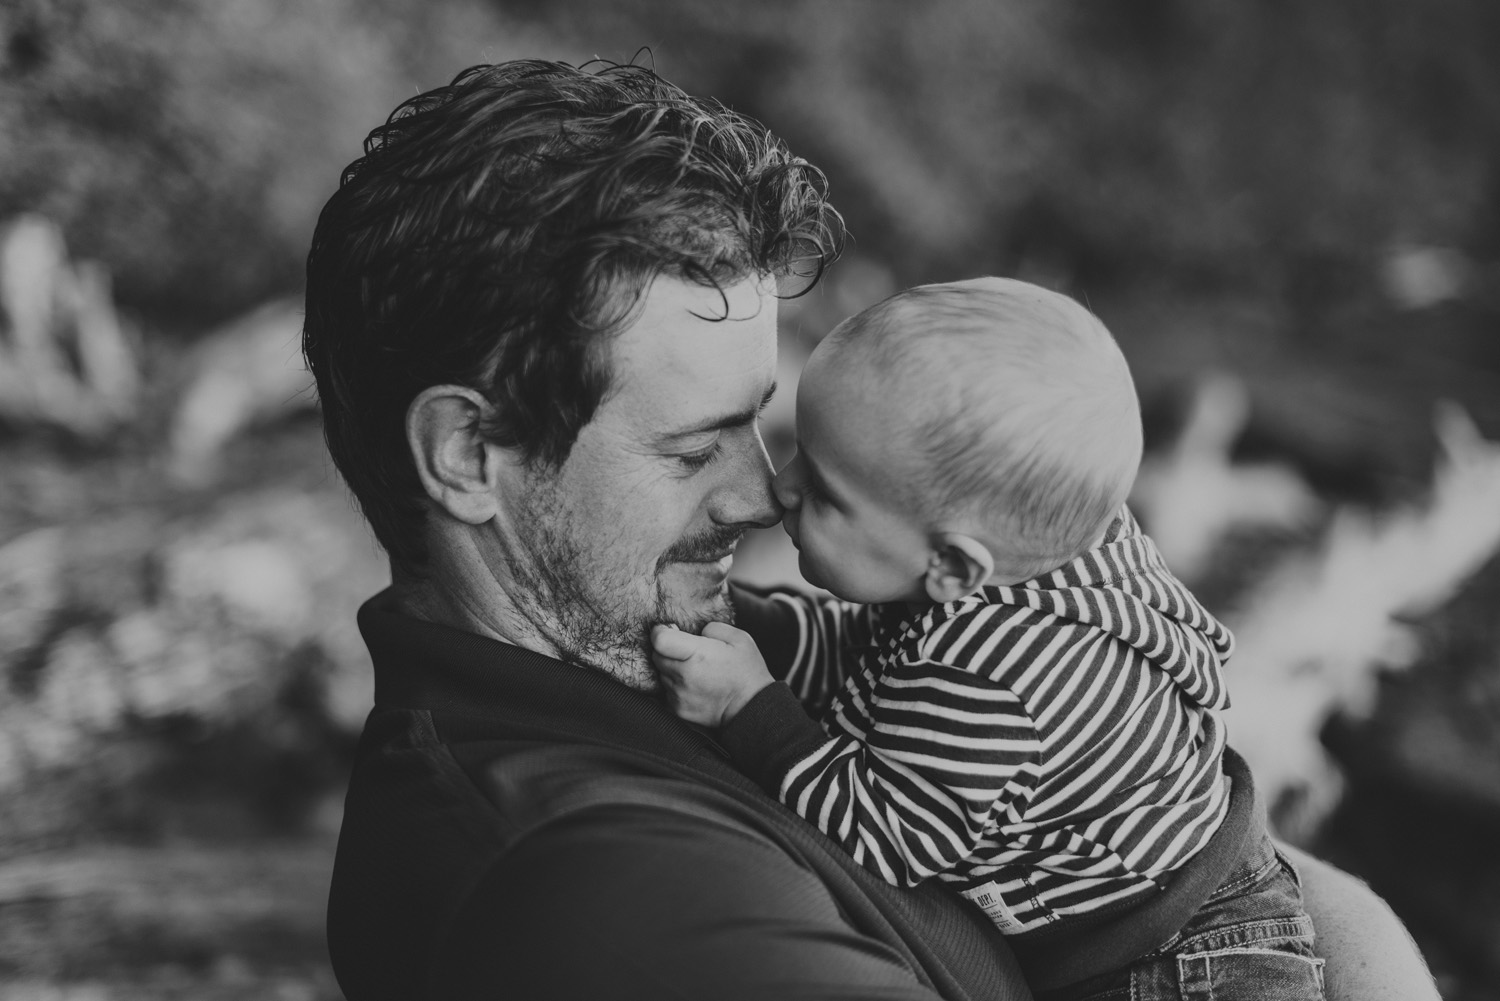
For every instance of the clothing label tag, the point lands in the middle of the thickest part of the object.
(987, 896)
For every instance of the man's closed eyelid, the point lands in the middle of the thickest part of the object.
(700, 458)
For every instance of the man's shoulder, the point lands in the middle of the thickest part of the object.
(477, 853)
(535, 787)
(543, 850)
(674, 887)
(643, 860)
(605, 873)
(630, 900)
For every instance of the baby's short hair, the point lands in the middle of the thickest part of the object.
(1021, 410)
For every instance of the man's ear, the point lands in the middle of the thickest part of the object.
(958, 566)
(459, 470)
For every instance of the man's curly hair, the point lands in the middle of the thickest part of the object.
(499, 229)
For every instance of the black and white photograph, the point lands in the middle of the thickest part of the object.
(627, 500)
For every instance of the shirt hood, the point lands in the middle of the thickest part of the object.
(1123, 587)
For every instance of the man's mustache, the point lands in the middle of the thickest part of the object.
(706, 547)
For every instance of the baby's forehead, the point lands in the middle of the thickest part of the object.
(966, 337)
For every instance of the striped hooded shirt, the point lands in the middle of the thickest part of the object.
(1049, 749)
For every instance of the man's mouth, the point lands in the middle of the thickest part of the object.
(722, 556)
(709, 550)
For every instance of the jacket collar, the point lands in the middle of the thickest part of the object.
(523, 694)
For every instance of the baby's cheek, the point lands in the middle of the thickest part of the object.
(811, 564)
(812, 531)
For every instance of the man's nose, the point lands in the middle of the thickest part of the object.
(744, 496)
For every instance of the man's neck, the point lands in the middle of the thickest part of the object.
(423, 597)
(489, 611)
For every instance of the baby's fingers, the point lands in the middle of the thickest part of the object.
(673, 643)
(725, 633)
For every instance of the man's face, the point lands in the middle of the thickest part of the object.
(640, 524)
(842, 490)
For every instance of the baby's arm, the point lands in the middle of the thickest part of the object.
(809, 641)
(909, 800)
(944, 750)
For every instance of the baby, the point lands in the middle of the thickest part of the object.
(1020, 698)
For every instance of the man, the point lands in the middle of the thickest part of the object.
(541, 311)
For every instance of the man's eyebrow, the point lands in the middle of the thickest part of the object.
(737, 419)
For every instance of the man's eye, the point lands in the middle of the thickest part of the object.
(698, 460)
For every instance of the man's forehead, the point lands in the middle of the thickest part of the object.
(694, 351)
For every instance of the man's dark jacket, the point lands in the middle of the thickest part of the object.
(517, 827)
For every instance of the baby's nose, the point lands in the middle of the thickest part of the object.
(787, 487)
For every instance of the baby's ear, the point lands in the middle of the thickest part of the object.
(957, 567)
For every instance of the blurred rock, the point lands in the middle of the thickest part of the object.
(1452, 750)
(31, 589)
(1191, 496)
(38, 990)
(65, 360)
(1421, 815)
(257, 583)
(208, 618)
(179, 922)
(1315, 634)
(1417, 277)
(247, 372)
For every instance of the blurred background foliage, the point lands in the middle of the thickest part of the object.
(1264, 163)
(1275, 149)
(1303, 196)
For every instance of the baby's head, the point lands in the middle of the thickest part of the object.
(953, 435)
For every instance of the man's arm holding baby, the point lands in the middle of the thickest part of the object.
(1370, 955)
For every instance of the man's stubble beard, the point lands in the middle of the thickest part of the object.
(594, 612)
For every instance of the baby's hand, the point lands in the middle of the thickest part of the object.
(709, 678)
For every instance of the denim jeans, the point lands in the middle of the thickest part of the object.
(1251, 941)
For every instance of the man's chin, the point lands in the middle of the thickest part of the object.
(691, 595)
